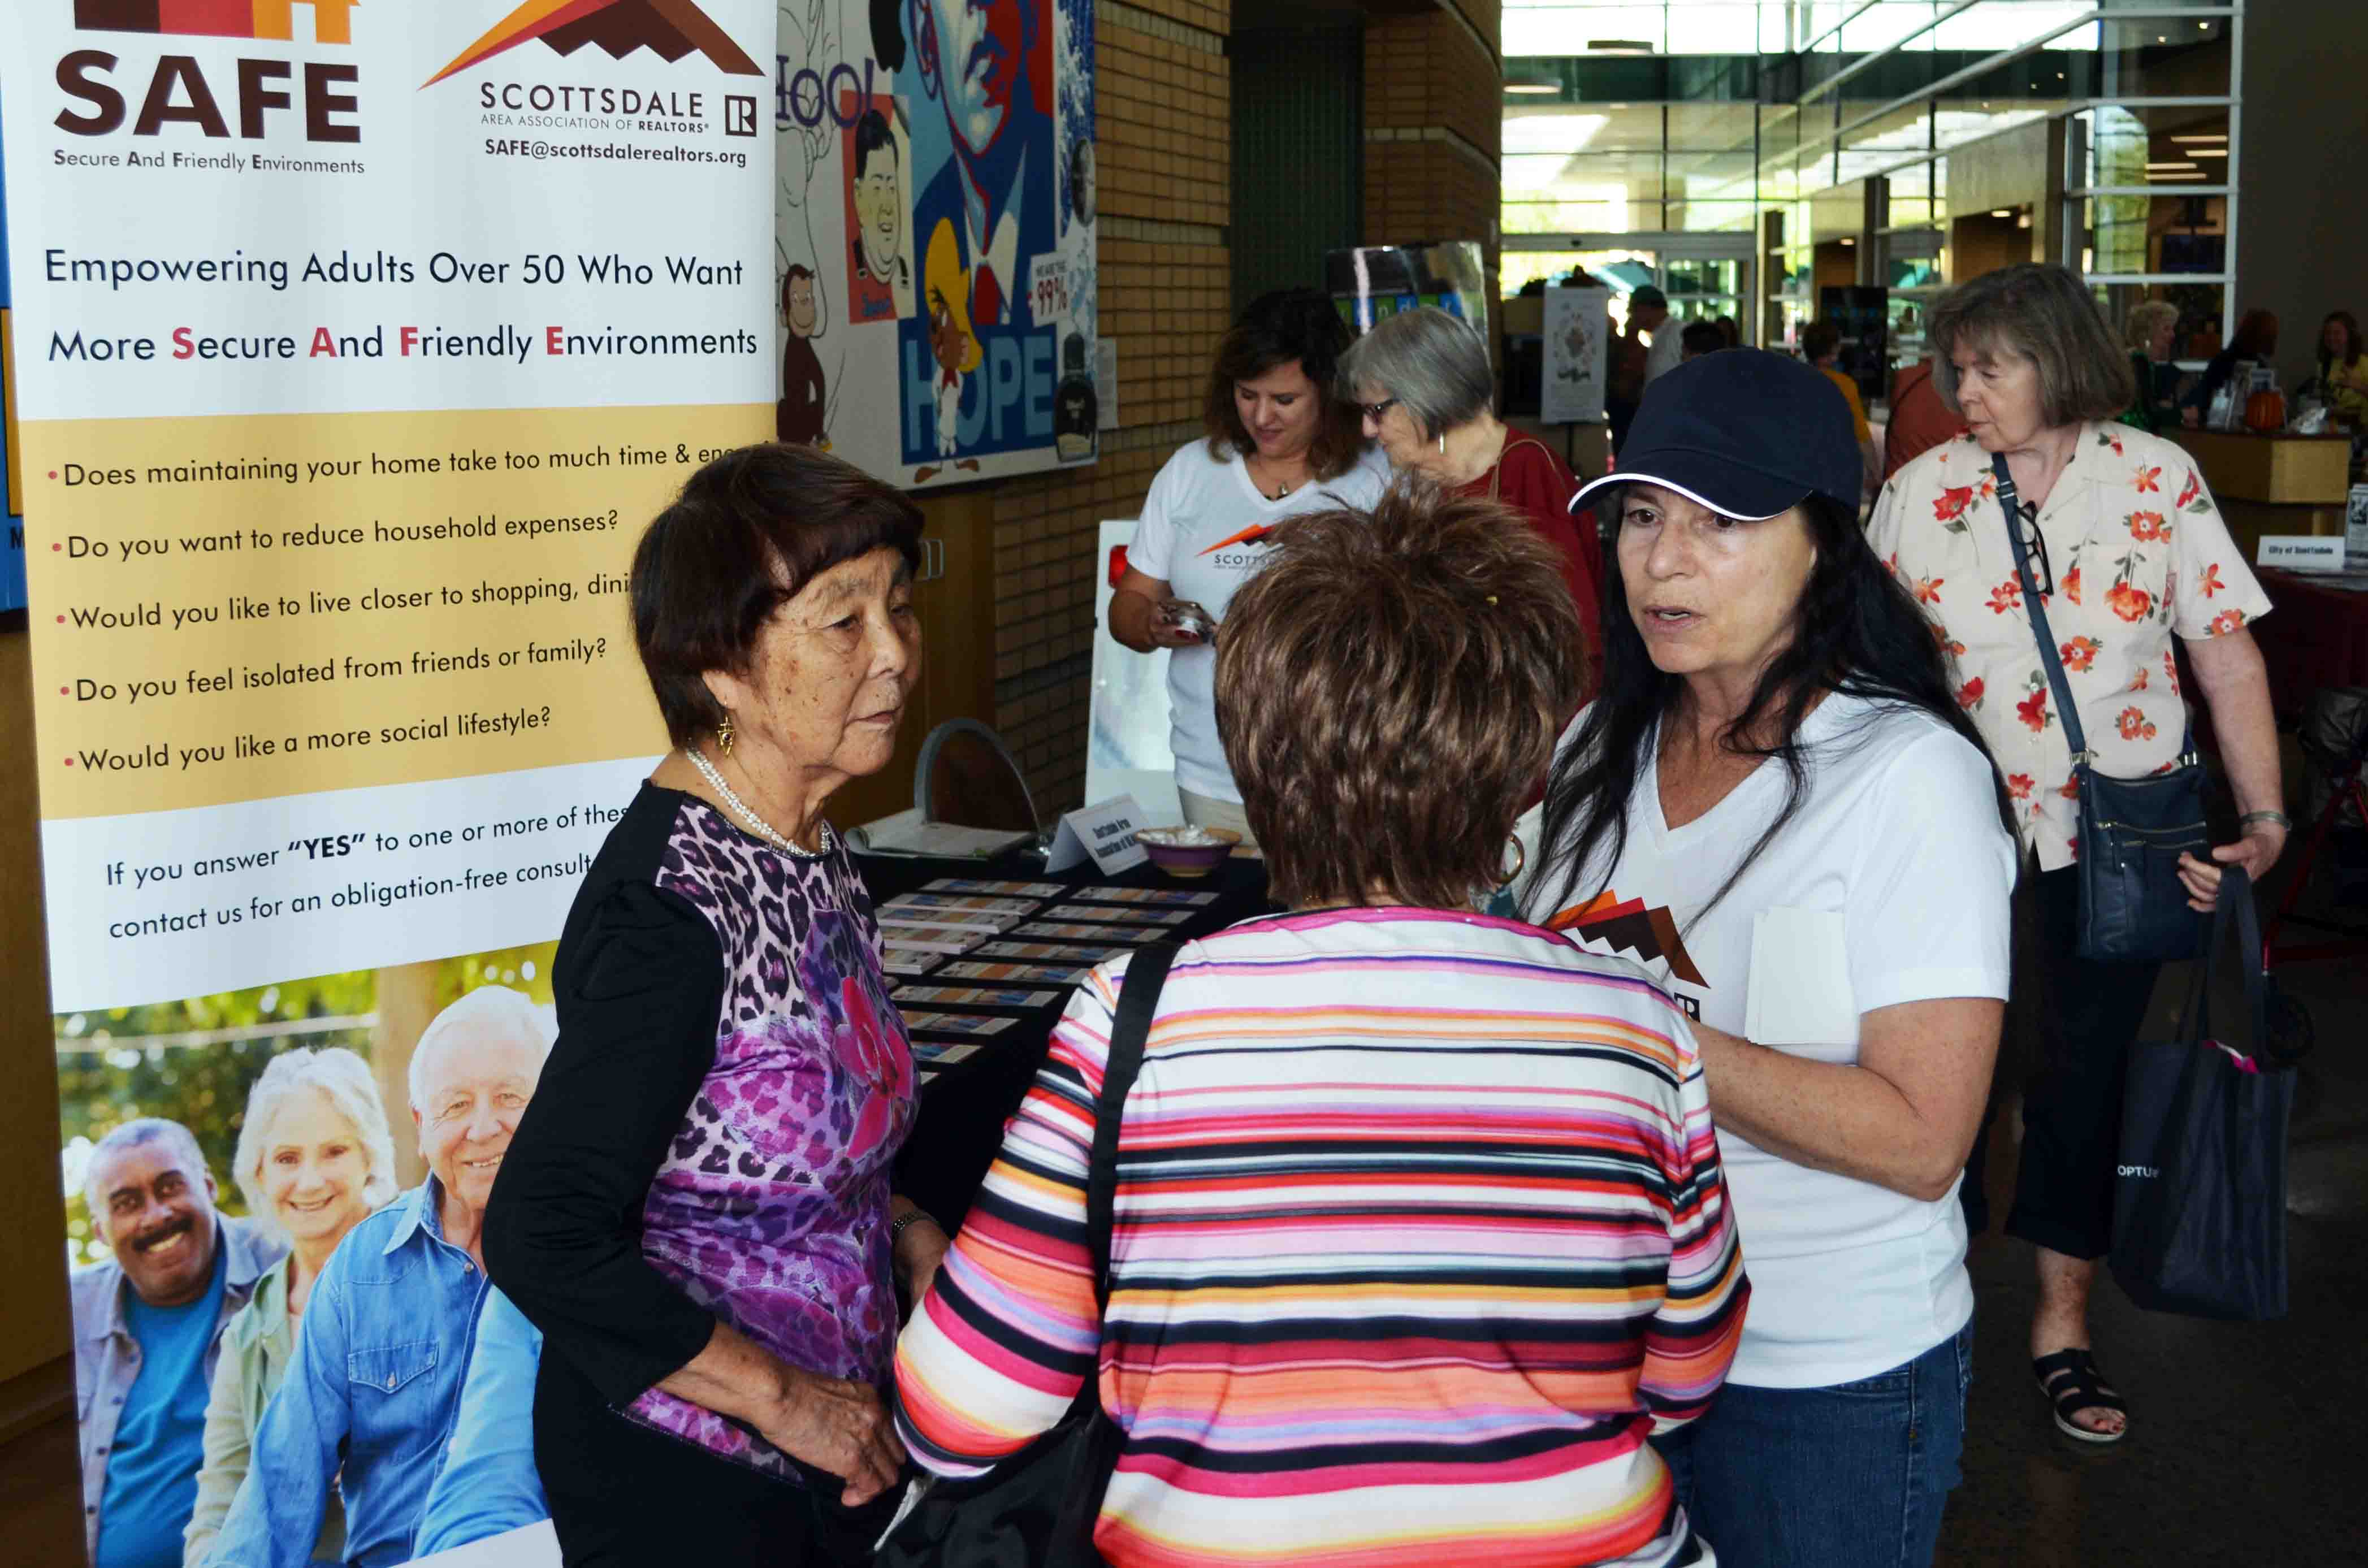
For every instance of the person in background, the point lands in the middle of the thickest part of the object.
(1776, 777)
(148, 1328)
(2128, 553)
(1419, 1235)
(2344, 368)
(699, 1214)
(366, 1404)
(314, 1157)
(1280, 441)
(2148, 333)
(1920, 419)
(487, 1483)
(1730, 331)
(1623, 374)
(1821, 345)
(1422, 379)
(1701, 337)
(2256, 342)
(1648, 311)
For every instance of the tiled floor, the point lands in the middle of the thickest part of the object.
(2247, 1442)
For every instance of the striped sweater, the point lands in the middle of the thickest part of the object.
(1420, 1234)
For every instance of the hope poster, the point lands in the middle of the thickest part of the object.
(354, 344)
(934, 250)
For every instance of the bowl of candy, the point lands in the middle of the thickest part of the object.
(1187, 852)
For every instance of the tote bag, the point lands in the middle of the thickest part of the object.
(2199, 1191)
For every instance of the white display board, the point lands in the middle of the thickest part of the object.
(1577, 321)
(1126, 746)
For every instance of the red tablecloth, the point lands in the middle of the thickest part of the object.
(2315, 635)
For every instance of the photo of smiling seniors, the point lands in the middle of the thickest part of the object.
(368, 1404)
(314, 1157)
(1280, 441)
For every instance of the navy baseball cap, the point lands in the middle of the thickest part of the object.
(1743, 432)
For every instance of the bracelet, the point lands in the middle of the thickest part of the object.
(2250, 818)
(904, 1222)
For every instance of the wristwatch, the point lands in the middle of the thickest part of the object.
(898, 1227)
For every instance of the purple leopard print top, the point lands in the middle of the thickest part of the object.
(770, 1208)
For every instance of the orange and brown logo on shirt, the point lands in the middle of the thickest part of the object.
(1625, 926)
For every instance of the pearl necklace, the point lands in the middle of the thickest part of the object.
(762, 828)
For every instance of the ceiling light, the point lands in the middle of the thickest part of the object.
(2209, 152)
(2001, 211)
(2023, 221)
(1533, 87)
(1848, 241)
(2200, 138)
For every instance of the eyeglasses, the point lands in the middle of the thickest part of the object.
(1374, 411)
(2035, 543)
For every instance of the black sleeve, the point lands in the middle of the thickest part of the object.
(639, 986)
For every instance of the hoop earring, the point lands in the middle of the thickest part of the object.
(724, 735)
(1442, 443)
(1520, 862)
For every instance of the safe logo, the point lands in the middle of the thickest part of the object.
(671, 29)
(332, 19)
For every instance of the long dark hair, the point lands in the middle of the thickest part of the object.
(1856, 631)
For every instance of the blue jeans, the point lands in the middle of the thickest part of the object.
(1851, 1476)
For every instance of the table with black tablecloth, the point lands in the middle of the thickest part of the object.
(966, 1103)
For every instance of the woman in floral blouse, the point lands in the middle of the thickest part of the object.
(2128, 552)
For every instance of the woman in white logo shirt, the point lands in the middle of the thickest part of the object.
(1776, 805)
(1280, 441)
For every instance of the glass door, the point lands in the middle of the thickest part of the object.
(1704, 276)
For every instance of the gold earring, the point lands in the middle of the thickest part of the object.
(724, 735)
(1521, 861)
(1442, 443)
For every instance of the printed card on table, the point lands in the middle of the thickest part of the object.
(976, 995)
(957, 1023)
(1123, 913)
(966, 904)
(943, 1052)
(896, 960)
(1069, 932)
(1139, 895)
(995, 889)
(1051, 952)
(947, 942)
(944, 919)
(1023, 974)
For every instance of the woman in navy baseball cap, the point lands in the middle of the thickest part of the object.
(1776, 803)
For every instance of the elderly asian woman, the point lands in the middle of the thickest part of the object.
(314, 1157)
(695, 1212)
(1420, 1233)
(1424, 382)
(2136, 566)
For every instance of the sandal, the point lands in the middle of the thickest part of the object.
(2071, 1383)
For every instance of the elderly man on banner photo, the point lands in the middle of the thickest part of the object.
(370, 1403)
(147, 1330)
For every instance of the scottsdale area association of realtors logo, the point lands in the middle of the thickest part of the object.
(672, 29)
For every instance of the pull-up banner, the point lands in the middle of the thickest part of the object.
(354, 344)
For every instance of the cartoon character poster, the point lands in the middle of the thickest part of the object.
(934, 233)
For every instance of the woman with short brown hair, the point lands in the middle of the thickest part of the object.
(1411, 1202)
(2128, 556)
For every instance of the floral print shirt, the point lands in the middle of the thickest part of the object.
(2140, 555)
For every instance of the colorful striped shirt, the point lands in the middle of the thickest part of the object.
(1420, 1234)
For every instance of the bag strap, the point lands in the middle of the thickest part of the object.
(2065, 708)
(1497, 474)
(1138, 998)
(2235, 905)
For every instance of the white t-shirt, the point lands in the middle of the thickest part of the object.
(1667, 351)
(1200, 535)
(1899, 833)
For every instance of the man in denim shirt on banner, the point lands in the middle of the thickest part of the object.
(147, 1328)
(489, 1485)
(370, 1399)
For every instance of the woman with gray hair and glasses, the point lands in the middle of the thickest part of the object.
(1423, 380)
(2131, 562)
